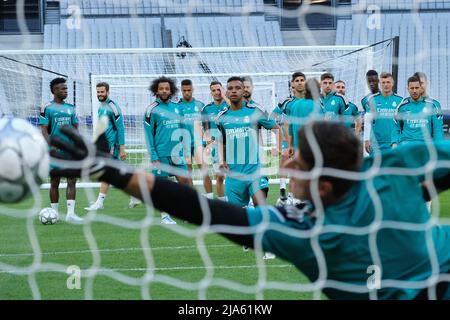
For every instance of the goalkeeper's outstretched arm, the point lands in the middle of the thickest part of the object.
(185, 203)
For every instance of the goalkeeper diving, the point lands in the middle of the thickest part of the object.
(352, 225)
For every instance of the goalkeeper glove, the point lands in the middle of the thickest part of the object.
(87, 159)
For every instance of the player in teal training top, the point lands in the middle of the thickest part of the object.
(424, 84)
(360, 239)
(373, 83)
(303, 111)
(352, 115)
(334, 104)
(211, 136)
(115, 135)
(54, 115)
(190, 110)
(298, 84)
(239, 126)
(380, 110)
(416, 118)
(164, 134)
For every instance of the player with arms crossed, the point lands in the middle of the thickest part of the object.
(211, 137)
(164, 135)
(381, 108)
(54, 115)
(336, 261)
(115, 135)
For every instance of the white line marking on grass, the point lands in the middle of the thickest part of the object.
(105, 271)
(115, 250)
(252, 266)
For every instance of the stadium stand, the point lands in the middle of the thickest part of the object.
(405, 4)
(423, 41)
(200, 32)
(126, 7)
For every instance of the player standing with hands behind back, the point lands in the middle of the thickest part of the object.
(115, 135)
(54, 115)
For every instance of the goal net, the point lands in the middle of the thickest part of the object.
(129, 72)
(125, 253)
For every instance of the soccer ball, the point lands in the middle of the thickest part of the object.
(24, 159)
(48, 216)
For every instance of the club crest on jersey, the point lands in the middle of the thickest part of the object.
(394, 104)
(246, 119)
(333, 103)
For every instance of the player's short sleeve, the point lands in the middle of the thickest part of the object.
(265, 121)
(44, 116)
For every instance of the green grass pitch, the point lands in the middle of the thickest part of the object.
(177, 265)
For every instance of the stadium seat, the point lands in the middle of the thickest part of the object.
(431, 39)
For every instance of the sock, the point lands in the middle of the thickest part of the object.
(210, 195)
(101, 198)
(164, 214)
(283, 193)
(55, 206)
(282, 183)
(70, 207)
(223, 198)
(135, 200)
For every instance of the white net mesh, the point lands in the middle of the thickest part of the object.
(130, 72)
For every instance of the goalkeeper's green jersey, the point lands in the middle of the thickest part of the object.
(55, 115)
(345, 252)
(115, 132)
(163, 130)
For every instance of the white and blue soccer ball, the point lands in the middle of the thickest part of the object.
(48, 216)
(24, 159)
